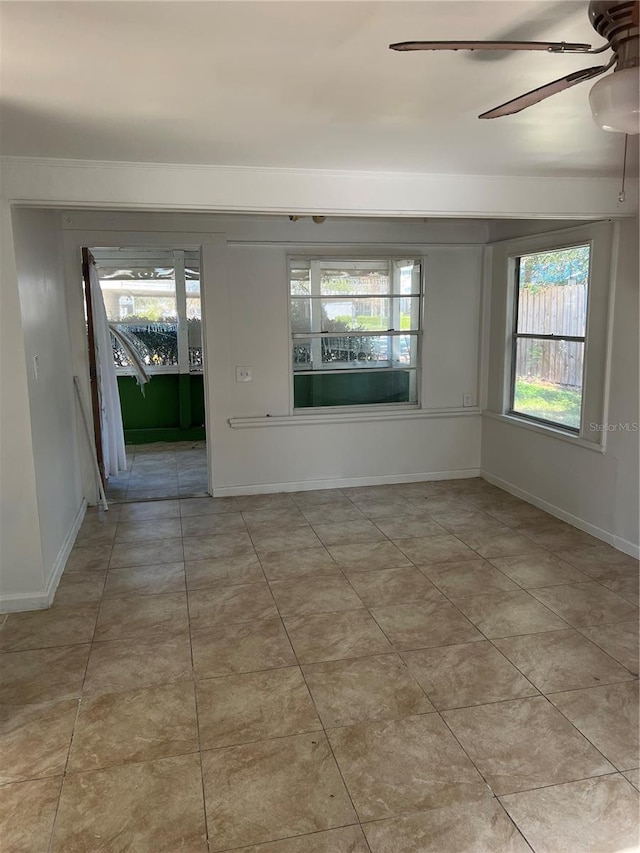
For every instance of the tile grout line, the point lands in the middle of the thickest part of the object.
(614, 772)
(75, 723)
(490, 594)
(569, 626)
(324, 730)
(391, 651)
(365, 722)
(494, 796)
(197, 711)
(569, 689)
(581, 734)
(489, 639)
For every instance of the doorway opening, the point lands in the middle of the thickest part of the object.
(153, 306)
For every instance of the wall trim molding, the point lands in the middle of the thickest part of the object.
(609, 538)
(349, 418)
(65, 550)
(16, 603)
(262, 189)
(626, 546)
(343, 483)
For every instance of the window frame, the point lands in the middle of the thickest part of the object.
(178, 259)
(514, 276)
(499, 282)
(359, 408)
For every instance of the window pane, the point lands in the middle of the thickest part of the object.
(354, 389)
(301, 354)
(194, 332)
(301, 315)
(142, 301)
(152, 298)
(357, 314)
(552, 292)
(342, 314)
(371, 314)
(156, 343)
(348, 352)
(192, 271)
(300, 280)
(405, 349)
(118, 270)
(409, 276)
(368, 278)
(194, 319)
(192, 288)
(194, 309)
(548, 380)
(354, 315)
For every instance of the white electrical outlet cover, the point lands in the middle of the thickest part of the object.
(243, 374)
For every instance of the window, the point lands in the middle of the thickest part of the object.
(355, 327)
(154, 296)
(549, 336)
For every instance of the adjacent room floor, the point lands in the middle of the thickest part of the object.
(427, 668)
(161, 470)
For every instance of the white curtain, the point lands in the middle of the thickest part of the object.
(113, 450)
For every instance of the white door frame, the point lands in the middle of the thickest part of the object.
(73, 241)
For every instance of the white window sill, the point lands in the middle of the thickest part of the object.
(549, 431)
(349, 417)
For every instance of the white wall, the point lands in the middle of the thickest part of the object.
(598, 491)
(624, 385)
(21, 567)
(505, 229)
(45, 337)
(251, 328)
(245, 302)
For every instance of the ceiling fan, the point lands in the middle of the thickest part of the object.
(614, 99)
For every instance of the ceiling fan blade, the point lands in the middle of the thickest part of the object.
(530, 98)
(548, 46)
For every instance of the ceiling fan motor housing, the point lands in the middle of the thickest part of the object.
(617, 22)
(615, 99)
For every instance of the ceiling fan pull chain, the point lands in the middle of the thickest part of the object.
(622, 195)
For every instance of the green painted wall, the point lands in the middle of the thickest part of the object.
(172, 408)
(351, 389)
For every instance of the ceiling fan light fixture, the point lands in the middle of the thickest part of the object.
(614, 101)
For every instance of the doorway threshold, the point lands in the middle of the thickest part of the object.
(161, 471)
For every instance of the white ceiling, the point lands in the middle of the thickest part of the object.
(296, 84)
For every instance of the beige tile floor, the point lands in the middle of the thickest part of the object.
(161, 470)
(430, 668)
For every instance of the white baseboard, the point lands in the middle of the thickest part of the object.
(626, 546)
(17, 603)
(63, 554)
(342, 483)
(610, 538)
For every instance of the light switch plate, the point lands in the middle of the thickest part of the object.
(467, 400)
(243, 374)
